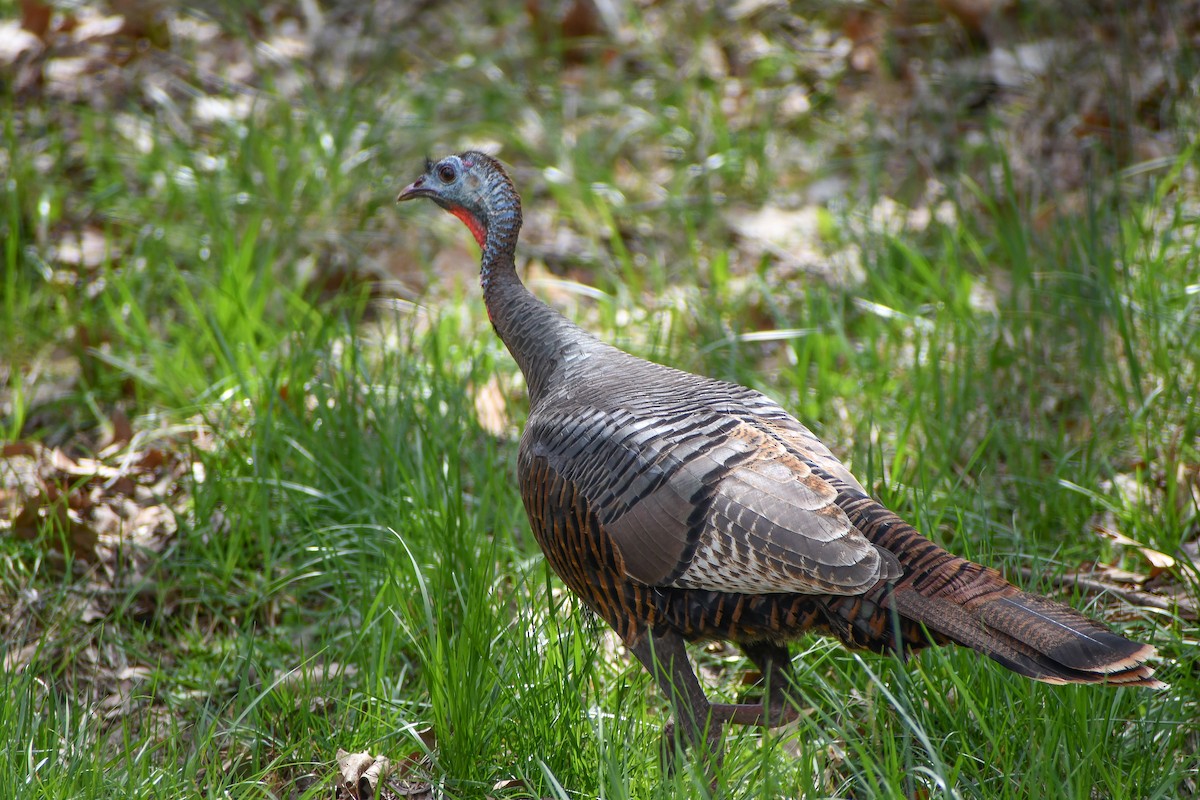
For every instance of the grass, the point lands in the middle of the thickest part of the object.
(349, 565)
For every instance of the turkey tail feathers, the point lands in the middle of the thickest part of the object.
(976, 607)
(1035, 637)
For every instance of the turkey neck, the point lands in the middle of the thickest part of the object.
(544, 343)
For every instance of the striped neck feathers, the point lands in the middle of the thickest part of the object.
(496, 229)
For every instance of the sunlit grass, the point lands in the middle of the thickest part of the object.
(353, 569)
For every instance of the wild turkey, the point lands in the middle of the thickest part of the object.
(683, 508)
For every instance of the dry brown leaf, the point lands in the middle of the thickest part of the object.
(578, 25)
(1118, 575)
(509, 784)
(351, 765)
(21, 448)
(361, 774)
(1175, 599)
(123, 684)
(106, 522)
(865, 29)
(62, 462)
(151, 459)
(93, 509)
(35, 17)
(118, 432)
(410, 763)
(20, 658)
(1158, 560)
(92, 611)
(415, 790)
(44, 520)
(316, 672)
(1187, 477)
(428, 737)
(93, 26)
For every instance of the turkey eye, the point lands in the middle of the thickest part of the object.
(446, 173)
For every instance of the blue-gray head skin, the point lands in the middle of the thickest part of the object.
(473, 187)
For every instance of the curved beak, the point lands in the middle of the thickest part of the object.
(414, 189)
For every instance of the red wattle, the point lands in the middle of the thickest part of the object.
(472, 222)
